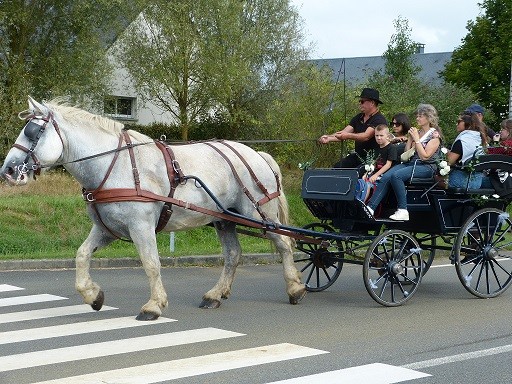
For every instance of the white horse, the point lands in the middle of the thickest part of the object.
(124, 174)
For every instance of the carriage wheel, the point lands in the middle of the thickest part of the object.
(320, 267)
(426, 242)
(483, 266)
(393, 268)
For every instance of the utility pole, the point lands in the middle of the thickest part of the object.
(510, 95)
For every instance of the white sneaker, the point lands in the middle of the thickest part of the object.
(368, 211)
(400, 215)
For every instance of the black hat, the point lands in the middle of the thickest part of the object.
(370, 93)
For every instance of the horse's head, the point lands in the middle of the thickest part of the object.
(39, 143)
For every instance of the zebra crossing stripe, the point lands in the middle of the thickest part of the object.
(9, 288)
(19, 300)
(75, 329)
(371, 373)
(109, 348)
(193, 366)
(15, 317)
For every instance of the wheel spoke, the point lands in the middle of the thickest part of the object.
(321, 265)
(477, 252)
(393, 261)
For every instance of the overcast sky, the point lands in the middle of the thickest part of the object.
(354, 28)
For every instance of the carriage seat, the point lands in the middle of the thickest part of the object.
(486, 163)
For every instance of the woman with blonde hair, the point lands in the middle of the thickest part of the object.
(426, 141)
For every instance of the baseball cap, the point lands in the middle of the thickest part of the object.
(475, 108)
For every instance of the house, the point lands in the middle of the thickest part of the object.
(124, 104)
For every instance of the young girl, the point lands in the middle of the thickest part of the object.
(504, 137)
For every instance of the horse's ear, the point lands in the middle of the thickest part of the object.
(35, 106)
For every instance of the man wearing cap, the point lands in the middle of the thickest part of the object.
(479, 111)
(361, 129)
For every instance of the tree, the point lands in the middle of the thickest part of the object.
(53, 48)
(403, 90)
(201, 57)
(482, 62)
(399, 64)
(300, 112)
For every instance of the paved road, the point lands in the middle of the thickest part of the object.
(442, 335)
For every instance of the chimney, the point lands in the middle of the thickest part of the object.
(420, 48)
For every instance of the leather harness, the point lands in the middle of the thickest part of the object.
(176, 177)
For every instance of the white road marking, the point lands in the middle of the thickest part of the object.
(75, 329)
(19, 300)
(371, 373)
(44, 313)
(9, 288)
(193, 366)
(459, 357)
(109, 348)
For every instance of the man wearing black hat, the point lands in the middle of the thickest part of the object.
(361, 129)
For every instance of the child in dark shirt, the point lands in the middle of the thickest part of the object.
(387, 153)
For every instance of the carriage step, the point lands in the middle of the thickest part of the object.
(387, 220)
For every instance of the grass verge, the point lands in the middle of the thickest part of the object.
(47, 219)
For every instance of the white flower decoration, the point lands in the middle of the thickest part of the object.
(444, 150)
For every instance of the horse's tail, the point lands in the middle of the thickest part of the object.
(283, 208)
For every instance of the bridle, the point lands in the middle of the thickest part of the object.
(33, 131)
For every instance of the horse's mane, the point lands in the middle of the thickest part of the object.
(105, 124)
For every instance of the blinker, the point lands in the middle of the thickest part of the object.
(31, 130)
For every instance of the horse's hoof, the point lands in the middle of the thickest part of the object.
(98, 303)
(147, 316)
(209, 304)
(296, 299)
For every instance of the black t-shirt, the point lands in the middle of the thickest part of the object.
(457, 148)
(389, 152)
(362, 147)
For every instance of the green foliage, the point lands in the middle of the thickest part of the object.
(53, 48)
(482, 63)
(43, 224)
(402, 90)
(399, 63)
(219, 57)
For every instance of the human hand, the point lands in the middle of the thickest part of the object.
(413, 132)
(324, 139)
(340, 135)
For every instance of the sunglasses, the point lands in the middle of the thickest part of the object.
(394, 124)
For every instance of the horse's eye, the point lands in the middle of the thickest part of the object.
(31, 130)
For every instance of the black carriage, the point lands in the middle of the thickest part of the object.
(471, 226)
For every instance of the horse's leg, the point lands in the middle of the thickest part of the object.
(90, 291)
(145, 242)
(231, 250)
(294, 287)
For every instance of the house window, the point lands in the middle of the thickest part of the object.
(119, 107)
